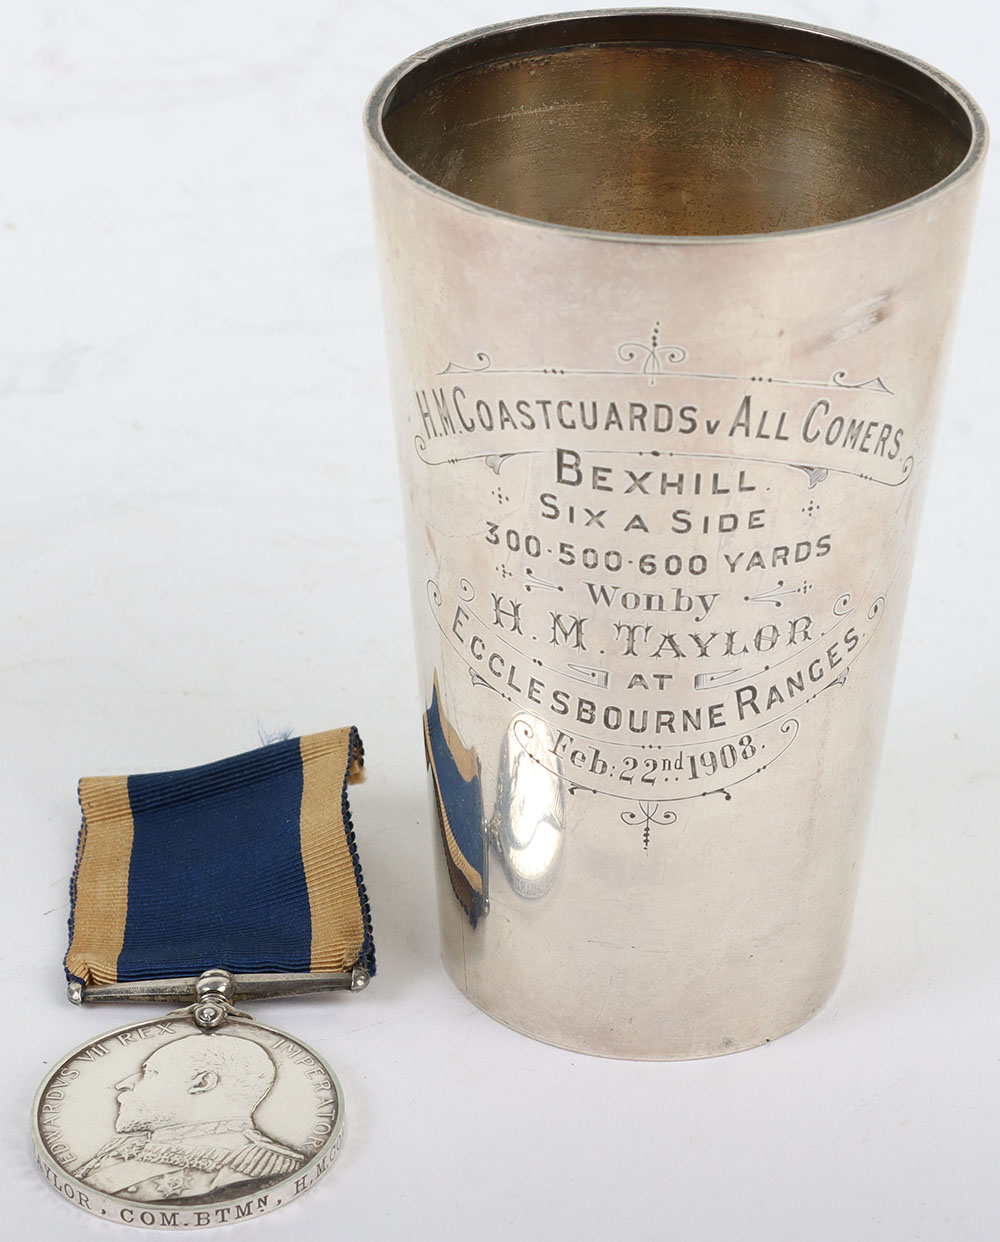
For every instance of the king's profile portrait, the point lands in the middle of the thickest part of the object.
(185, 1125)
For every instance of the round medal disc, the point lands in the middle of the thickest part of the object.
(167, 1126)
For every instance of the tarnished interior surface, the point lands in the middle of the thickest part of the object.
(668, 138)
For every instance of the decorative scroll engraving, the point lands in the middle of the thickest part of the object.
(645, 815)
(654, 360)
(651, 593)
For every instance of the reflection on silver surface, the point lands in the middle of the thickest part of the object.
(456, 783)
(526, 826)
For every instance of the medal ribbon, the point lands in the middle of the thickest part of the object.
(248, 865)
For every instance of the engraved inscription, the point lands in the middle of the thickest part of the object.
(161, 1124)
(659, 568)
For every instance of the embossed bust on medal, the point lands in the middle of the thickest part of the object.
(667, 298)
(205, 1117)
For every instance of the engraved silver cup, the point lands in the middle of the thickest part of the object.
(668, 297)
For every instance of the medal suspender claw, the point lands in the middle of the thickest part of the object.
(207, 887)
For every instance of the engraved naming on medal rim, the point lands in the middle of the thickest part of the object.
(165, 1125)
(656, 635)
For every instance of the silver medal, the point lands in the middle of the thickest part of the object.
(203, 1117)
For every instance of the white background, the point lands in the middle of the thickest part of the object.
(201, 539)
